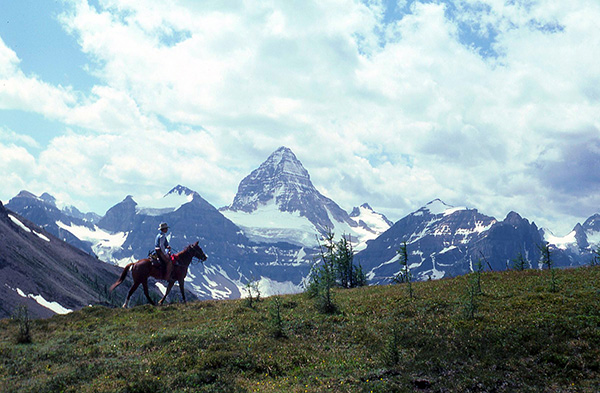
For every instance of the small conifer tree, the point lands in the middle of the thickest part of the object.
(277, 326)
(334, 268)
(547, 261)
(21, 316)
(253, 290)
(391, 353)
(322, 277)
(477, 278)
(404, 275)
(520, 263)
(471, 304)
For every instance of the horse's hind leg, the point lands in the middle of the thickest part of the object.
(145, 284)
(131, 291)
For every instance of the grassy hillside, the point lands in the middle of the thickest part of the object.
(521, 337)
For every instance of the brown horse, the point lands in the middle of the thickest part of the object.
(142, 269)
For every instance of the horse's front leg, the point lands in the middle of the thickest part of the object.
(181, 289)
(169, 287)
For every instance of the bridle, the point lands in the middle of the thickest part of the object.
(195, 253)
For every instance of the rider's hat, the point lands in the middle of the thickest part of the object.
(163, 225)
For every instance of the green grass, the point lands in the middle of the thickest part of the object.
(522, 338)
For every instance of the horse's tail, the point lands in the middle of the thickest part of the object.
(123, 276)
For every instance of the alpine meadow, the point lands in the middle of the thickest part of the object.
(521, 337)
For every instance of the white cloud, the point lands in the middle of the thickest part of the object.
(18, 169)
(8, 135)
(393, 114)
(28, 93)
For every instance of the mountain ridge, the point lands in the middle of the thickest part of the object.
(267, 238)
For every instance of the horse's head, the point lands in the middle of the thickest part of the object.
(197, 252)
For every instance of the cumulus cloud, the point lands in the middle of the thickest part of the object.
(29, 93)
(390, 111)
(18, 168)
(9, 136)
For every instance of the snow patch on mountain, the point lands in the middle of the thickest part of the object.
(41, 236)
(436, 207)
(479, 227)
(446, 249)
(53, 306)
(269, 287)
(371, 274)
(19, 223)
(216, 283)
(370, 224)
(122, 262)
(267, 223)
(161, 287)
(453, 210)
(104, 244)
(563, 243)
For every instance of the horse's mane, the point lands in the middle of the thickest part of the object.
(186, 249)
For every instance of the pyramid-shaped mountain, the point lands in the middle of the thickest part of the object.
(278, 201)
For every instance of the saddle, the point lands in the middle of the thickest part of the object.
(157, 263)
(153, 257)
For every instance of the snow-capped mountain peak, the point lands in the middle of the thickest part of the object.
(279, 199)
(171, 201)
(181, 190)
(437, 207)
(281, 177)
(591, 227)
(365, 216)
(285, 161)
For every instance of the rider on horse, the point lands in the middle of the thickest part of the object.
(163, 250)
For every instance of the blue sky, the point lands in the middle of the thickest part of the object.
(485, 103)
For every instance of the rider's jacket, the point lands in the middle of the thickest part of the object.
(161, 242)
